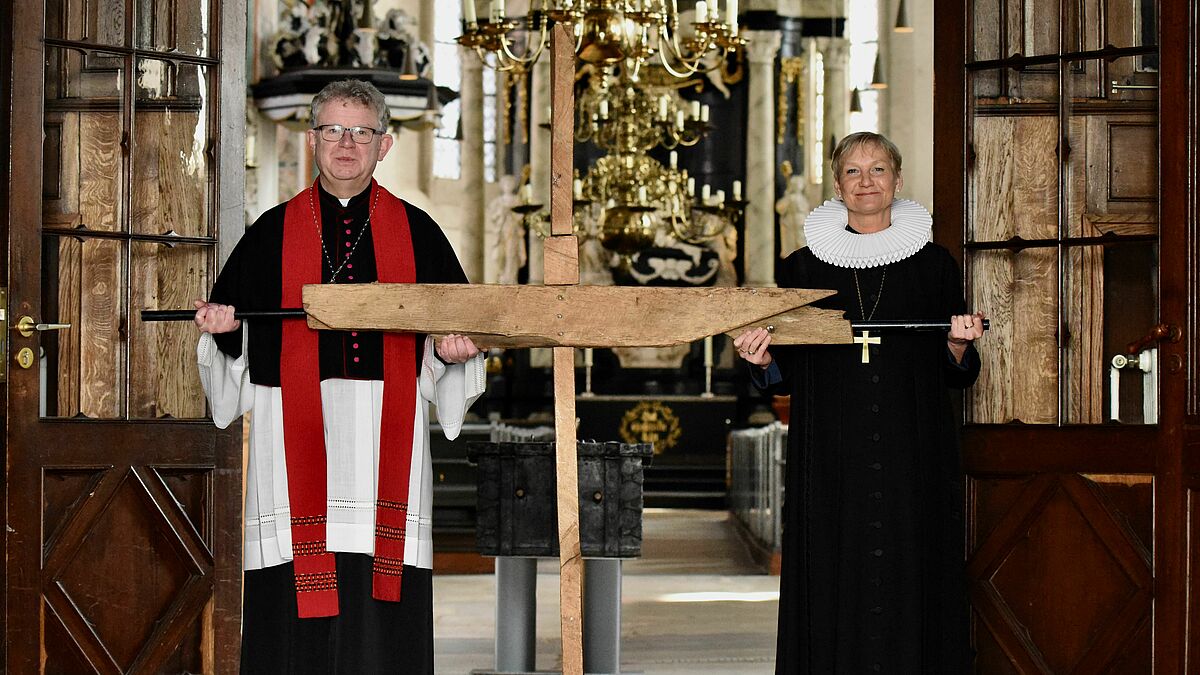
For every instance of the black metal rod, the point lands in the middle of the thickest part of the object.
(188, 314)
(908, 325)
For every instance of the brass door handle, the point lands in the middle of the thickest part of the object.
(1163, 332)
(26, 326)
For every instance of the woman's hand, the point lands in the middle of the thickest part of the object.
(752, 346)
(964, 329)
(214, 318)
(455, 348)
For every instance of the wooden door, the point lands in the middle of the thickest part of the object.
(1066, 179)
(123, 501)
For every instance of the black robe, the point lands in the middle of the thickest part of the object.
(368, 636)
(873, 570)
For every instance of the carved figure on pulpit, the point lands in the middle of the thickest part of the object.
(725, 245)
(507, 231)
(792, 208)
(595, 267)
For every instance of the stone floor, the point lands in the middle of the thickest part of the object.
(693, 604)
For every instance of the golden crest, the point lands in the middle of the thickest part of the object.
(651, 422)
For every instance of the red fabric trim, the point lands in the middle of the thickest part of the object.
(303, 424)
(393, 236)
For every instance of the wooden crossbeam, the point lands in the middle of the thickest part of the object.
(576, 316)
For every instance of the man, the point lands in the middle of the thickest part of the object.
(338, 545)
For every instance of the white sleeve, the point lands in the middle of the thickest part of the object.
(226, 380)
(452, 388)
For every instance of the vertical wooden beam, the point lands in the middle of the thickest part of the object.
(561, 267)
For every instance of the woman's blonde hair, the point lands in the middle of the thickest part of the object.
(859, 139)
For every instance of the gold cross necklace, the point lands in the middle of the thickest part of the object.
(866, 340)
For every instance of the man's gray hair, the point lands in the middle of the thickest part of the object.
(363, 93)
(859, 139)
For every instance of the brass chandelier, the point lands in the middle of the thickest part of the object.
(630, 194)
(606, 32)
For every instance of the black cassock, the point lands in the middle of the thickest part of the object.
(873, 573)
(368, 636)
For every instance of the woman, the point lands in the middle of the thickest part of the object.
(872, 555)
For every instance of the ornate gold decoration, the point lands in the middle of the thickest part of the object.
(791, 72)
(607, 32)
(628, 197)
(651, 422)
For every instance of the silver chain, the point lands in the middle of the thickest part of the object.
(862, 311)
(321, 235)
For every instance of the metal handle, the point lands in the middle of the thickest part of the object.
(26, 326)
(1117, 87)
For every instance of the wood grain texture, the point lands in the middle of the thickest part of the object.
(163, 379)
(101, 366)
(579, 316)
(170, 174)
(562, 267)
(1083, 302)
(66, 365)
(100, 170)
(992, 289)
(561, 260)
(562, 131)
(570, 559)
(1015, 193)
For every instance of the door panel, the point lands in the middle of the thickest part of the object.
(123, 547)
(1049, 187)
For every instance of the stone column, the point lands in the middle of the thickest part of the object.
(835, 54)
(471, 244)
(759, 244)
(539, 155)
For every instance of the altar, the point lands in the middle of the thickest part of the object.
(689, 434)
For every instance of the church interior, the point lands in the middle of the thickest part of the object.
(1053, 141)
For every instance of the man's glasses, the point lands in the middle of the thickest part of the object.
(334, 133)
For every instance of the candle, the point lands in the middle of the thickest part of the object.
(701, 11)
(604, 108)
(662, 108)
(705, 193)
(733, 18)
(674, 163)
(469, 11)
(737, 190)
(679, 120)
(708, 355)
(642, 194)
(695, 110)
(577, 189)
(500, 13)
(526, 193)
(704, 113)
(587, 357)
(691, 187)
(720, 196)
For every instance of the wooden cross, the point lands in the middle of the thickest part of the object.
(564, 315)
(866, 341)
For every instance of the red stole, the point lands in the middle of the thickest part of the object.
(303, 425)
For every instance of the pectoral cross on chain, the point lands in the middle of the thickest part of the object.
(866, 341)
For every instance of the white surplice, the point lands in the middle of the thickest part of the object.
(352, 410)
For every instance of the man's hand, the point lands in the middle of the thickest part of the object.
(213, 318)
(455, 348)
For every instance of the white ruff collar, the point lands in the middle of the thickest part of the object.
(829, 240)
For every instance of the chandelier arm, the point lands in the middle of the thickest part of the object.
(529, 57)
